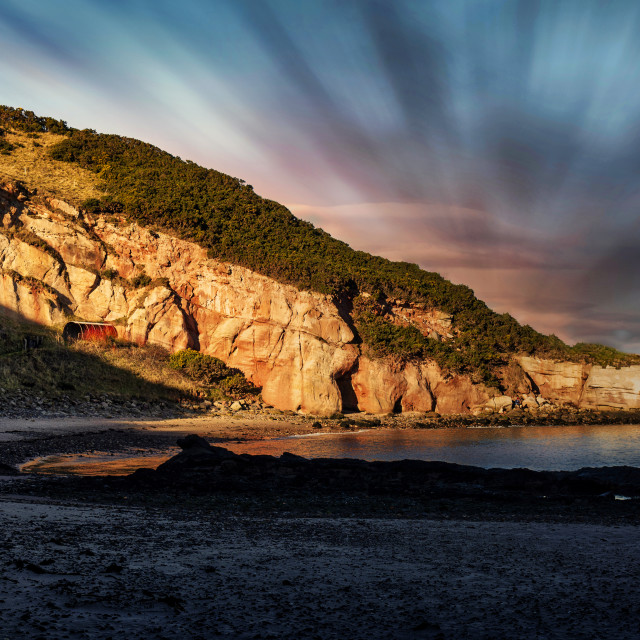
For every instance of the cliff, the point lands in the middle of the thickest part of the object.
(102, 227)
(584, 385)
(299, 346)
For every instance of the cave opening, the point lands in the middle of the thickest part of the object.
(347, 393)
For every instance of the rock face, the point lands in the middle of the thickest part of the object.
(585, 385)
(612, 388)
(296, 345)
(561, 382)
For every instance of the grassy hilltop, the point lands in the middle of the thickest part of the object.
(113, 174)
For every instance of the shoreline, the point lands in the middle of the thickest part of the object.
(24, 439)
(104, 557)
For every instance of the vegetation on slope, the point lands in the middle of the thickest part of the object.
(116, 368)
(211, 372)
(236, 225)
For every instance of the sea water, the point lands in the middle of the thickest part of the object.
(545, 447)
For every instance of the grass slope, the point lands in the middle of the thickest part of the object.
(29, 162)
(236, 225)
(55, 369)
(114, 368)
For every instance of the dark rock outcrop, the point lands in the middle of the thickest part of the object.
(201, 468)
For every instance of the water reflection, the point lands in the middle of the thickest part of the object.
(95, 464)
(551, 448)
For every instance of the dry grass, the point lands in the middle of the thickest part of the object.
(56, 369)
(149, 363)
(35, 169)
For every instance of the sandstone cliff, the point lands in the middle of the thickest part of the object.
(297, 345)
(585, 385)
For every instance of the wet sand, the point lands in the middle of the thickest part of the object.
(77, 571)
(72, 568)
(222, 427)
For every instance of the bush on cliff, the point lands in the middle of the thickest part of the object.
(602, 355)
(211, 371)
(385, 338)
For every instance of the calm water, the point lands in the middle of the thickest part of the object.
(552, 448)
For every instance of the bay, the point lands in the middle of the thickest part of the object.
(538, 448)
(551, 448)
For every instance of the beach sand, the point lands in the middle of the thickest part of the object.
(75, 569)
(78, 571)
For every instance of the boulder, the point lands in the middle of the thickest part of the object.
(500, 404)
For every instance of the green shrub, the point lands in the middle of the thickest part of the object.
(140, 280)
(212, 371)
(109, 274)
(386, 339)
(200, 366)
(237, 384)
(6, 147)
(92, 205)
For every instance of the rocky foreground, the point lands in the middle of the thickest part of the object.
(201, 469)
(75, 571)
(214, 544)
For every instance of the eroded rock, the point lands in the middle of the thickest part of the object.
(293, 344)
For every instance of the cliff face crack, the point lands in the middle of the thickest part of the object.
(583, 387)
(234, 337)
(534, 386)
(277, 347)
(94, 286)
(302, 372)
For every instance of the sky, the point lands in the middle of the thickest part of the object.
(496, 142)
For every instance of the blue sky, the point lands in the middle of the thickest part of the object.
(494, 141)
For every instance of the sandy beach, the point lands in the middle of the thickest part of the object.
(74, 571)
(79, 566)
